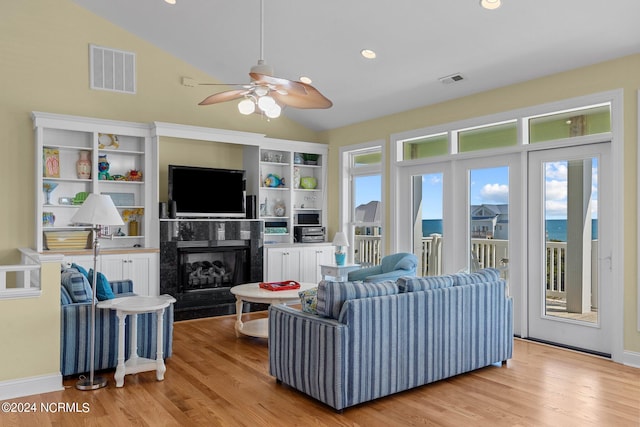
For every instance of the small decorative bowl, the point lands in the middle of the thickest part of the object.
(308, 182)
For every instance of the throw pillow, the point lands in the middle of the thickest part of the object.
(77, 285)
(81, 269)
(413, 284)
(103, 287)
(309, 300)
(331, 295)
(65, 298)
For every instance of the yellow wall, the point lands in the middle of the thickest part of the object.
(31, 329)
(621, 73)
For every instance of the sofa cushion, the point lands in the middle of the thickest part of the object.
(309, 300)
(412, 284)
(65, 298)
(331, 295)
(76, 285)
(480, 276)
(103, 288)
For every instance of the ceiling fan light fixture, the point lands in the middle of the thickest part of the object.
(261, 90)
(273, 112)
(490, 4)
(172, 2)
(305, 79)
(246, 106)
(265, 103)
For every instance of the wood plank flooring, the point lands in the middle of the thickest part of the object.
(216, 379)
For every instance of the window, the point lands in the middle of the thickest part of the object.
(362, 211)
(570, 123)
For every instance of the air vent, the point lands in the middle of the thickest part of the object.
(111, 69)
(453, 78)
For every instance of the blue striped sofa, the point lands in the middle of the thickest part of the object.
(370, 340)
(75, 318)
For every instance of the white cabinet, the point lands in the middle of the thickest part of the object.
(314, 256)
(297, 262)
(141, 268)
(131, 180)
(283, 264)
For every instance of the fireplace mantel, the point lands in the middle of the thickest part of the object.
(208, 234)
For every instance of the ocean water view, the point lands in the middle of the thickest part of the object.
(556, 228)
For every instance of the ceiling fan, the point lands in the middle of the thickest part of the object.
(267, 94)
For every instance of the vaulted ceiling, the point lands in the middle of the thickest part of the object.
(417, 42)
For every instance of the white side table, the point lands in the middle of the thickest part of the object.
(252, 292)
(337, 273)
(137, 305)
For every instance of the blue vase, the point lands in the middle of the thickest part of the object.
(340, 258)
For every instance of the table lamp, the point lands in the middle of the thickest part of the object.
(97, 210)
(340, 241)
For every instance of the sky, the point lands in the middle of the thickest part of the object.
(488, 186)
(491, 186)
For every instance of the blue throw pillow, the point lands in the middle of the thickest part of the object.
(81, 269)
(103, 288)
(77, 285)
(65, 298)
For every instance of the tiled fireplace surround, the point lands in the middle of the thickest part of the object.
(206, 292)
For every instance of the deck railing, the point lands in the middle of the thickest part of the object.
(487, 252)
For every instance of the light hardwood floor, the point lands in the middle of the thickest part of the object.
(216, 379)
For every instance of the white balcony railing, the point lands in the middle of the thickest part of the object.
(488, 253)
(25, 282)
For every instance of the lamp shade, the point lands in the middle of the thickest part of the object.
(98, 209)
(340, 239)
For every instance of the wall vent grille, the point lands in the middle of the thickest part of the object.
(111, 69)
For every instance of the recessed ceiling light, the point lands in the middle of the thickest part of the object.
(368, 53)
(305, 79)
(490, 4)
(170, 1)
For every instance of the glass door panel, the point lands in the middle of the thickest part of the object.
(488, 217)
(366, 220)
(428, 222)
(571, 235)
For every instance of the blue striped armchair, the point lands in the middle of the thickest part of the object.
(75, 318)
(369, 340)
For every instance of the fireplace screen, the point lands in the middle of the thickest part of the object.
(212, 268)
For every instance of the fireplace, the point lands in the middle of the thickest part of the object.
(212, 267)
(202, 259)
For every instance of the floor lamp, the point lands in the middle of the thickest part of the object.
(97, 210)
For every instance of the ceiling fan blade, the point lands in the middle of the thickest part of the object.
(288, 85)
(313, 98)
(228, 95)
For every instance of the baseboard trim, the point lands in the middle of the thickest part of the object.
(631, 358)
(21, 387)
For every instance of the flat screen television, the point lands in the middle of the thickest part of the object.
(207, 192)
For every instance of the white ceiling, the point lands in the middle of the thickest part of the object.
(417, 42)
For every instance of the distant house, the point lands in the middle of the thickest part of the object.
(369, 214)
(490, 221)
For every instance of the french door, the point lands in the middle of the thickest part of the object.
(570, 247)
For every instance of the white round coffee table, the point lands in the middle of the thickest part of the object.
(251, 292)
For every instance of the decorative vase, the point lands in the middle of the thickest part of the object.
(133, 227)
(340, 258)
(296, 177)
(103, 167)
(83, 165)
